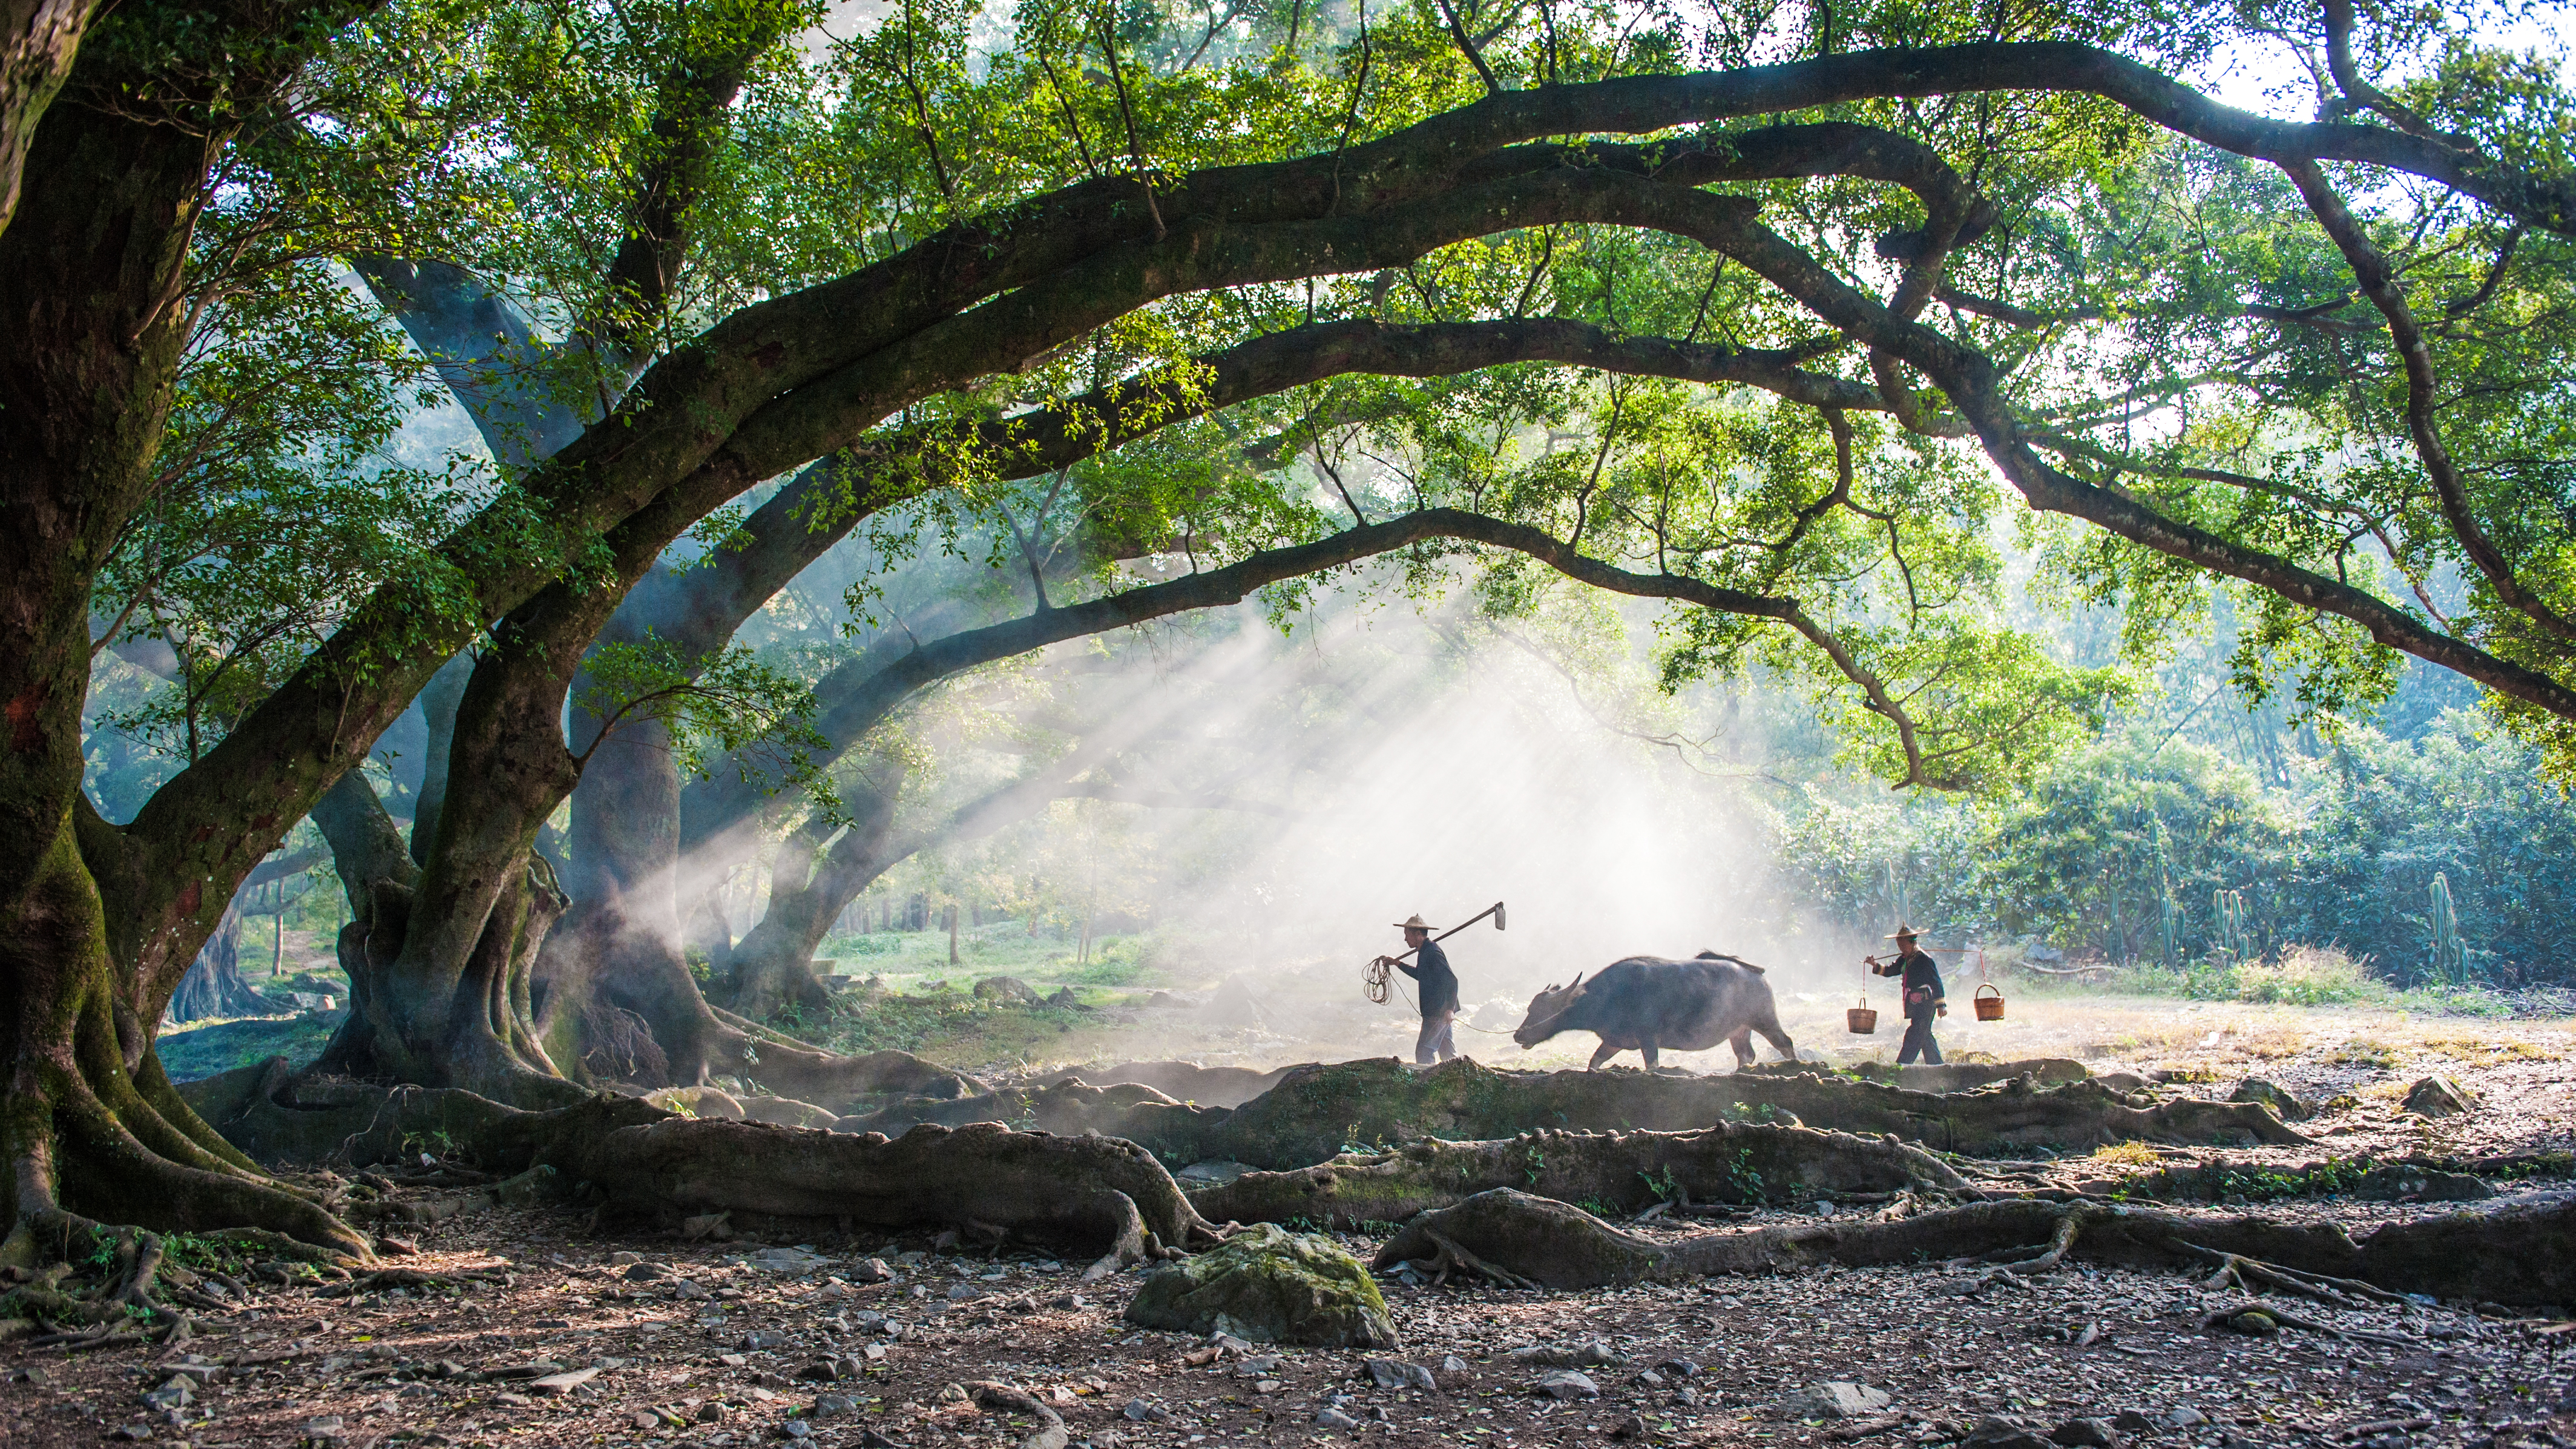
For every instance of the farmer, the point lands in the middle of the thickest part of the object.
(1923, 997)
(1439, 984)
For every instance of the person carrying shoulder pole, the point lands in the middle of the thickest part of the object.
(1923, 996)
(1430, 971)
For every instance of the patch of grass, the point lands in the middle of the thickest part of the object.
(2489, 1052)
(2133, 1154)
(2360, 1052)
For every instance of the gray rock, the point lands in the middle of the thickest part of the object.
(1270, 1286)
(178, 1393)
(2437, 1097)
(1391, 1374)
(1145, 1413)
(2184, 1417)
(874, 1270)
(1566, 1384)
(1453, 1364)
(2133, 1421)
(760, 1338)
(1834, 1399)
(793, 1429)
(2085, 1434)
(1334, 1419)
(646, 1273)
(2000, 1433)
(2275, 1096)
(1591, 1353)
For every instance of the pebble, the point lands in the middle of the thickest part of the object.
(1329, 1418)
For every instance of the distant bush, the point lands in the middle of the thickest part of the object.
(2307, 976)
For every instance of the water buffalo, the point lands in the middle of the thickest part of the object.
(1649, 1003)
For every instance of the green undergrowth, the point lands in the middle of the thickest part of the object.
(208, 1048)
(952, 1026)
(2301, 977)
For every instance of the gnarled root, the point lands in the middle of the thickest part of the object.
(2519, 1253)
(1730, 1162)
(1051, 1432)
(1029, 1182)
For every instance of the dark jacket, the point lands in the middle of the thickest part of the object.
(1439, 984)
(1922, 985)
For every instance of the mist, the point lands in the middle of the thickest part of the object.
(1412, 756)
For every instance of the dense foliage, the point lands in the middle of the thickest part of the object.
(2122, 851)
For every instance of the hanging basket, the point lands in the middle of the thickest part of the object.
(1990, 1008)
(1863, 1019)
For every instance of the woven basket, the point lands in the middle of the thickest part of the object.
(1990, 1008)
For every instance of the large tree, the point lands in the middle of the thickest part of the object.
(1800, 311)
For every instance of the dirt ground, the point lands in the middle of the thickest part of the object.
(736, 1343)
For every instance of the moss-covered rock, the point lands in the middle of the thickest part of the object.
(1269, 1285)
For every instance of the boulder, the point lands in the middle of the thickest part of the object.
(1269, 1285)
(2275, 1096)
(2437, 1097)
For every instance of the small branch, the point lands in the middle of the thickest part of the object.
(1475, 57)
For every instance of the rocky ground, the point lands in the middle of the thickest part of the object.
(533, 1326)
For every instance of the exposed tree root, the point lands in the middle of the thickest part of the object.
(1730, 1162)
(1184, 1081)
(1316, 1112)
(2517, 1253)
(636, 1158)
(791, 1068)
(1954, 1076)
(1177, 1132)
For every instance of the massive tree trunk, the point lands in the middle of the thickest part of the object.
(89, 273)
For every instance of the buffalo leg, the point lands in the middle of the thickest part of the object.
(1607, 1050)
(1647, 1049)
(1742, 1041)
(1768, 1023)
